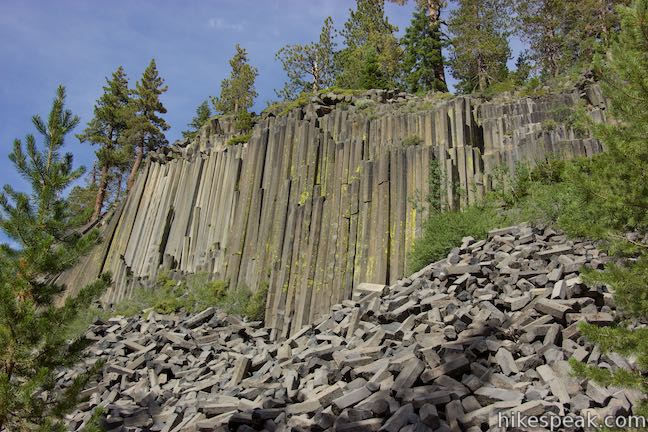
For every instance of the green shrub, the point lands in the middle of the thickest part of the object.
(436, 182)
(549, 125)
(284, 107)
(533, 88)
(255, 309)
(499, 88)
(239, 139)
(364, 103)
(444, 230)
(412, 140)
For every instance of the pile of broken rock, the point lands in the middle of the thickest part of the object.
(488, 330)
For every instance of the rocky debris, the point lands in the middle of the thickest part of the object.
(482, 332)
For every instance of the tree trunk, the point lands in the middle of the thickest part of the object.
(120, 177)
(138, 161)
(481, 73)
(434, 13)
(94, 174)
(316, 77)
(101, 194)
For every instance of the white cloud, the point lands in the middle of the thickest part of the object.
(221, 24)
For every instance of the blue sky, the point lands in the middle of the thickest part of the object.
(79, 43)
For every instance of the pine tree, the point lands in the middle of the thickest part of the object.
(81, 201)
(542, 25)
(202, 115)
(369, 40)
(371, 75)
(565, 34)
(479, 46)
(422, 54)
(106, 129)
(433, 9)
(237, 91)
(523, 69)
(32, 342)
(146, 128)
(614, 189)
(309, 67)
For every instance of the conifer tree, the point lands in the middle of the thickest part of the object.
(369, 42)
(523, 69)
(309, 67)
(479, 46)
(106, 129)
(237, 92)
(563, 34)
(614, 189)
(422, 56)
(433, 10)
(32, 341)
(202, 115)
(146, 128)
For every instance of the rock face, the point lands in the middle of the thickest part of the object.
(447, 349)
(321, 200)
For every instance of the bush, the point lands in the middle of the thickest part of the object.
(546, 193)
(412, 140)
(533, 88)
(499, 88)
(550, 193)
(193, 294)
(283, 108)
(239, 139)
(444, 230)
(255, 308)
(364, 103)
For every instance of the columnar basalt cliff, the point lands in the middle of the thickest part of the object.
(324, 197)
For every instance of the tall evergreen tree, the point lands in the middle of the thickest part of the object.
(32, 341)
(237, 91)
(146, 128)
(309, 67)
(479, 44)
(615, 190)
(542, 25)
(523, 69)
(202, 115)
(422, 54)
(106, 129)
(433, 10)
(564, 33)
(369, 41)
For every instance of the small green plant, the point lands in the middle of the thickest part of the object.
(255, 308)
(364, 103)
(412, 140)
(305, 195)
(436, 181)
(499, 88)
(193, 294)
(283, 108)
(549, 125)
(533, 88)
(239, 139)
